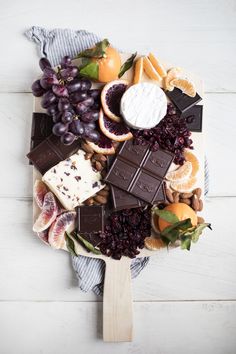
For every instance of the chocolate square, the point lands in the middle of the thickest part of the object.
(123, 200)
(121, 174)
(182, 101)
(134, 153)
(194, 118)
(146, 186)
(161, 194)
(90, 218)
(158, 162)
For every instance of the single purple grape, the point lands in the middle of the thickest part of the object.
(81, 108)
(60, 90)
(74, 85)
(88, 102)
(66, 61)
(63, 104)
(94, 93)
(68, 138)
(91, 135)
(59, 129)
(69, 73)
(44, 63)
(86, 84)
(47, 82)
(48, 99)
(76, 127)
(66, 117)
(37, 89)
(56, 117)
(78, 96)
(90, 116)
(52, 110)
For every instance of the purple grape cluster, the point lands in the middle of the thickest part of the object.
(69, 99)
(125, 232)
(170, 134)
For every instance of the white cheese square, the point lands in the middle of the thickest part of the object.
(73, 180)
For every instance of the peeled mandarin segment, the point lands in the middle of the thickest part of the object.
(185, 186)
(157, 65)
(189, 156)
(173, 73)
(138, 71)
(150, 70)
(153, 244)
(185, 86)
(181, 173)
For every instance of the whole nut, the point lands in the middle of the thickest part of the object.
(169, 196)
(100, 199)
(87, 148)
(106, 188)
(98, 165)
(200, 220)
(88, 155)
(200, 207)
(100, 157)
(89, 201)
(186, 195)
(176, 197)
(185, 201)
(195, 202)
(103, 192)
(197, 192)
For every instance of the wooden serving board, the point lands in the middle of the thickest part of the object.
(117, 293)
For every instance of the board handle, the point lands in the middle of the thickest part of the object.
(117, 301)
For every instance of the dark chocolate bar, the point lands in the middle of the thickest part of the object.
(50, 152)
(90, 218)
(140, 171)
(182, 101)
(193, 118)
(41, 128)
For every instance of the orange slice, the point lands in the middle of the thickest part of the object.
(184, 186)
(185, 86)
(138, 71)
(157, 65)
(172, 74)
(189, 156)
(150, 70)
(153, 244)
(183, 172)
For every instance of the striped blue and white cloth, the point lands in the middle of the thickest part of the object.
(55, 44)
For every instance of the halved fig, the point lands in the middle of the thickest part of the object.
(64, 222)
(113, 130)
(39, 191)
(48, 213)
(43, 235)
(111, 97)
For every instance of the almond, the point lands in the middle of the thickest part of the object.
(87, 148)
(195, 202)
(185, 201)
(186, 195)
(100, 199)
(200, 207)
(89, 201)
(200, 220)
(169, 196)
(197, 192)
(98, 165)
(176, 197)
(153, 243)
(88, 155)
(100, 157)
(103, 192)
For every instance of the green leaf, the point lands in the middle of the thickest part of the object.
(127, 65)
(166, 215)
(70, 244)
(99, 51)
(88, 245)
(90, 70)
(186, 243)
(180, 225)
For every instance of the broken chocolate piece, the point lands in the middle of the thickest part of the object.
(90, 218)
(193, 118)
(182, 101)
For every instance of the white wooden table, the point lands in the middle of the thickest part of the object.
(185, 303)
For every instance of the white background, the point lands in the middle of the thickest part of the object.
(184, 303)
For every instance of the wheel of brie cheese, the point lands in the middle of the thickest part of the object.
(143, 105)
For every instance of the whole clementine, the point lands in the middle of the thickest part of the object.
(109, 65)
(182, 211)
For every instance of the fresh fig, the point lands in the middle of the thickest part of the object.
(48, 213)
(40, 190)
(64, 222)
(43, 235)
